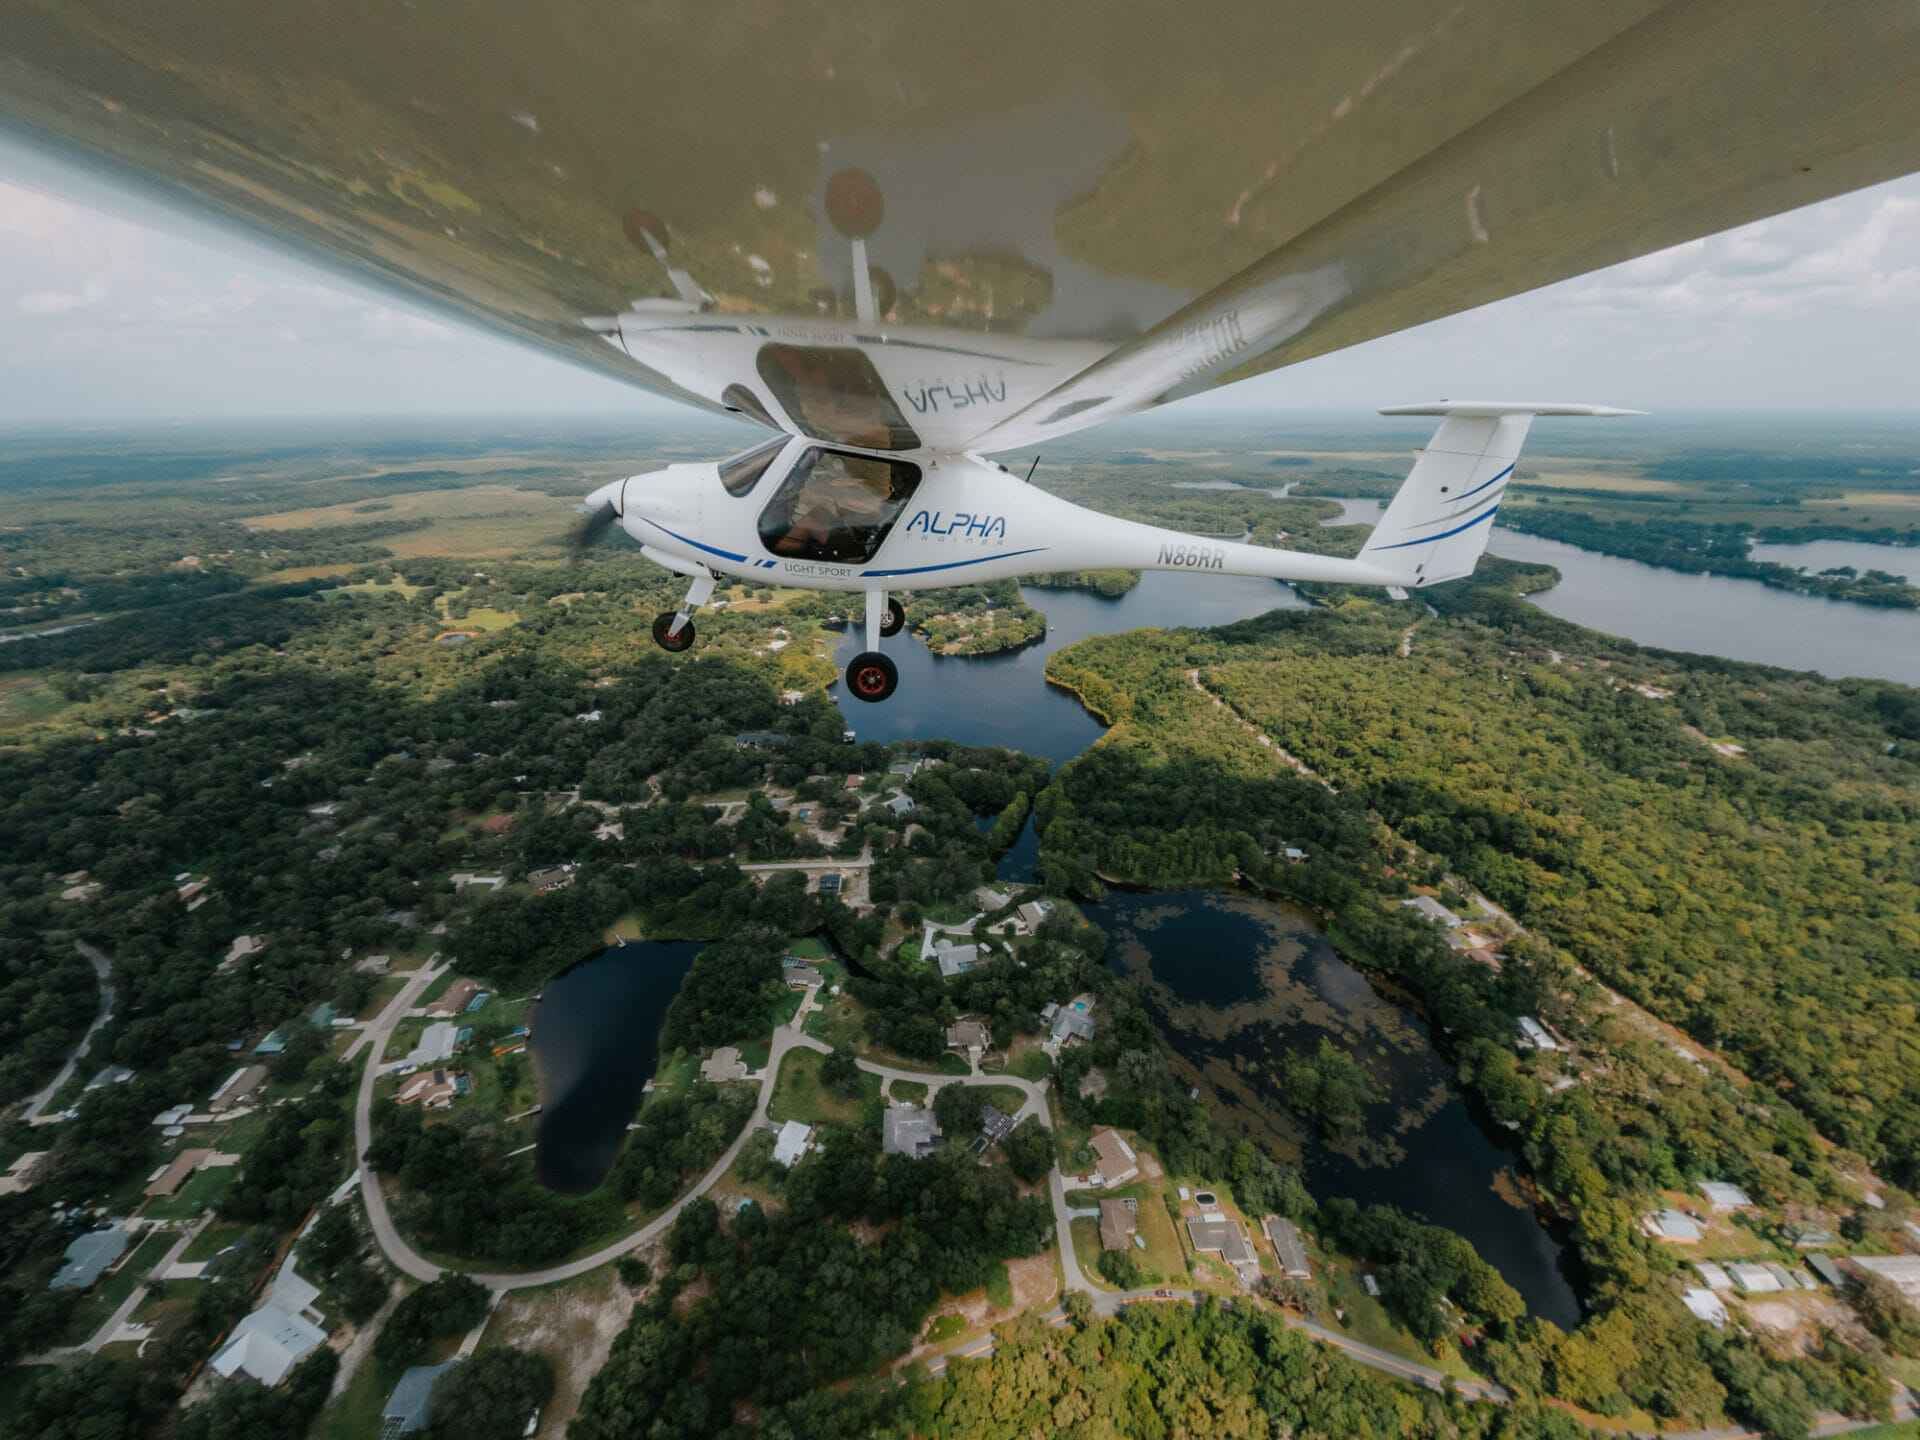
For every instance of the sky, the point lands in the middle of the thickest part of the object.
(112, 308)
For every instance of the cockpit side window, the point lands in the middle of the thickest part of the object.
(833, 393)
(743, 471)
(837, 507)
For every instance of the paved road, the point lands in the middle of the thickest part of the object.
(865, 862)
(110, 1328)
(102, 966)
(376, 1036)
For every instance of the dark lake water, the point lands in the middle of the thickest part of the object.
(1236, 985)
(596, 1043)
(1005, 699)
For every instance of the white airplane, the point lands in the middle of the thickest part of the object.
(793, 511)
(1090, 210)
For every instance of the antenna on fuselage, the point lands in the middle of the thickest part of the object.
(1031, 468)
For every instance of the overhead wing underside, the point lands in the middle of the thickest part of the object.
(1157, 205)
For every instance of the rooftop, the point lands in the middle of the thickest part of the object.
(1674, 1225)
(791, 1144)
(723, 1065)
(1117, 1223)
(967, 1035)
(1217, 1232)
(1113, 1157)
(1723, 1196)
(88, 1258)
(1432, 909)
(1288, 1249)
(406, 1409)
(908, 1131)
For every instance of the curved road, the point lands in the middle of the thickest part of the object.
(101, 967)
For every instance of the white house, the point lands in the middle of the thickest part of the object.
(279, 1335)
(791, 1144)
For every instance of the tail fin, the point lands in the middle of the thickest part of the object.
(1437, 525)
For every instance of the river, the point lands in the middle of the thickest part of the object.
(1717, 615)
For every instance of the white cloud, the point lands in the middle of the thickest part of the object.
(54, 302)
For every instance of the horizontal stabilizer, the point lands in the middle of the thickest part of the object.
(1437, 526)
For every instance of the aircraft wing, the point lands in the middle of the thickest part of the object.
(1140, 203)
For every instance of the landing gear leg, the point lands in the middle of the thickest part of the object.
(872, 676)
(673, 629)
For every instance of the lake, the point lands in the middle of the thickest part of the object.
(595, 1044)
(1236, 985)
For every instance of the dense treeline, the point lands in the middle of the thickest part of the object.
(792, 1298)
(975, 619)
(1332, 687)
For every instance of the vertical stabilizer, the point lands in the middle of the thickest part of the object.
(1437, 526)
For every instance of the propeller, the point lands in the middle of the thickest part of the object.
(591, 528)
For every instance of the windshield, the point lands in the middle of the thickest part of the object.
(837, 507)
(743, 471)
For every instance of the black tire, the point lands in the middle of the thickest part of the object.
(672, 644)
(871, 677)
(896, 618)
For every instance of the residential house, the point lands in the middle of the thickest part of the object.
(23, 1172)
(799, 975)
(1035, 911)
(1722, 1196)
(1073, 1021)
(237, 1087)
(437, 1044)
(909, 1130)
(322, 1016)
(1755, 1279)
(1219, 1234)
(995, 1125)
(954, 959)
(406, 1409)
(1712, 1276)
(112, 1075)
(1113, 1158)
(762, 740)
(167, 1180)
(279, 1335)
(1706, 1306)
(549, 878)
(375, 965)
(1534, 1036)
(1118, 1222)
(434, 1089)
(242, 948)
(968, 1035)
(455, 998)
(901, 805)
(723, 1065)
(1902, 1270)
(791, 1143)
(1675, 1226)
(275, 1043)
(1288, 1249)
(1433, 910)
(830, 884)
(1807, 1237)
(89, 1257)
(1827, 1270)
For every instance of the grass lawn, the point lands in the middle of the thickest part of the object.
(837, 1021)
(1004, 1097)
(212, 1240)
(439, 987)
(808, 948)
(1086, 1249)
(354, 1414)
(799, 1095)
(1899, 1430)
(201, 1192)
(107, 1296)
(1000, 1286)
(785, 1008)
(1027, 1060)
(944, 1327)
(1367, 1319)
(908, 1092)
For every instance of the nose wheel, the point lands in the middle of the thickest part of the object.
(896, 618)
(872, 677)
(667, 638)
(673, 629)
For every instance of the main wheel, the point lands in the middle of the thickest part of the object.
(672, 644)
(871, 676)
(896, 618)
